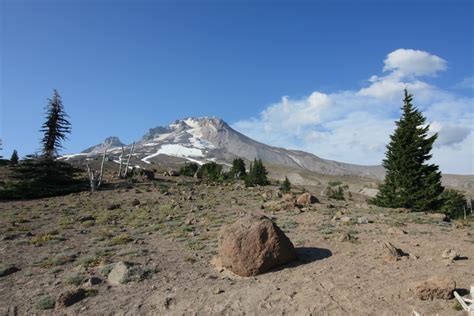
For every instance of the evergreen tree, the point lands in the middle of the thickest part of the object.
(257, 174)
(410, 181)
(56, 127)
(285, 186)
(189, 169)
(238, 169)
(210, 171)
(14, 158)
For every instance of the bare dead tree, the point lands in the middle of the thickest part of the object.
(120, 167)
(95, 178)
(128, 160)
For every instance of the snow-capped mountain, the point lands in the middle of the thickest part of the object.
(211, 139)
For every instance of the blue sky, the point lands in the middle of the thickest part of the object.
(333, 68)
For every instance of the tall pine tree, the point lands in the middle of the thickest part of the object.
(410, 181)
(55, 128)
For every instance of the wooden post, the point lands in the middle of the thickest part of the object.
(120, 167)
(101, 175)
(128, 160)
(94, 178)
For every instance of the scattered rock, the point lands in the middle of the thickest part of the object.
(113, 206)
(135, 202)
(7, 270)
(119, 273)
(436, 287)
(396, 231)
(254, 245)
(173, 173)
(306, 198)
(143, 175)
(392, 253)
(362, 220)
(70, 297)
(345, 237)
(438, 216)
(218, 290)
(345, 219)
(288, 197)
(370, 192)
(450, 254)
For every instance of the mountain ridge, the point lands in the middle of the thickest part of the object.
(205, 139)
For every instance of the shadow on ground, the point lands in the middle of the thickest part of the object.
(311, 254)
(306, 255)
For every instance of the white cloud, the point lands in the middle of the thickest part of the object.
(354, 125)
(410, 62)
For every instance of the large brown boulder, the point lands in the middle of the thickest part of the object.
(306, 198)
(253, 245)
(435, 288)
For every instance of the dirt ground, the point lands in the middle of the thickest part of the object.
(169, 229)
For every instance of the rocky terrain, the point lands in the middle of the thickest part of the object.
(149, 247)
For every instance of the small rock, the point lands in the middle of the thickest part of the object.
(392, 252)
(173, 173)
(113, 206)
(345, 219)
(70, 297)
(306, 198)
(288, 197)
(450, 254)
(135, 202)
(435, 288)
(345, 237)
(438, 216)
(362, 220)
(217, 290)
(119, 273)
(396, 231)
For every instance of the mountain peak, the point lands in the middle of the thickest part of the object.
(109, 142)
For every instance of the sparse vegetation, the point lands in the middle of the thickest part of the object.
(74, 279)
(46, 302)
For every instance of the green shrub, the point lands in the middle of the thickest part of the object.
(45, 302)
(334, 183)
(74, 279)
(38, 177)
(454, 203)
(336, 194)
